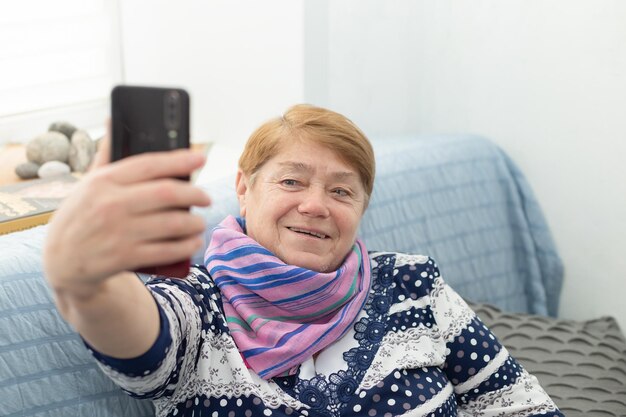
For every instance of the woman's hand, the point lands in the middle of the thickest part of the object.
(123, 216)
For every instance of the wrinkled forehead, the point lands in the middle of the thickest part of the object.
(305, 154)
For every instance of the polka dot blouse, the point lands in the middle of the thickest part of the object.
(416, 349)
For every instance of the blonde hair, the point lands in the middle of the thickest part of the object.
(325, 127)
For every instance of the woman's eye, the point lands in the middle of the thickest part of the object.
(341, 192)
(289, 183)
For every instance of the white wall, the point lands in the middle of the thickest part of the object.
(545, 80)
(242, 61)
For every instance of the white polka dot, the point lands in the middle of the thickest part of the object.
(505, 377)
(362, 394)
(394, 388)
(239, 402)
(397, 375)
(473, 356)
(471, 329)
(418, 283)
(486, 358)
(408, 393)
(357, 408)
(215, 414)
(401, 297)
(473, 342)
(223, 402)
(391, 401)
(267, 412)
(424, 274)
(429, 379)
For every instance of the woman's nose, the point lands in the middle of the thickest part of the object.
(314, 204)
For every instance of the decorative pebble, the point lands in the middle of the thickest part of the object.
(82, 150)
(66, 128)
(27, 170)
(50, 146)
(53, 168)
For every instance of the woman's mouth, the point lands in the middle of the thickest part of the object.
(308, 232)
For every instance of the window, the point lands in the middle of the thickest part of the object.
(58, 61)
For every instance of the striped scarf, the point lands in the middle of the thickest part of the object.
(280, 315)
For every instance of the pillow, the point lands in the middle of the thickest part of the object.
(222, 161)
(581, 364)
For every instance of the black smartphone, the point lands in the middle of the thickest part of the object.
(150, 119)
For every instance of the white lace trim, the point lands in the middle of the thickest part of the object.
(403, 259)
(413, 348)
(451, 312)
(524, 398)
(222, 373)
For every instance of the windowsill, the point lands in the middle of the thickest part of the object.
(11, 155)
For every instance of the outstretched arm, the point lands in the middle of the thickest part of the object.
(122, 216)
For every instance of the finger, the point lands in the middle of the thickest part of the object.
(166, 225)
(166, 252)
(154, 165)
(165, 194)
(103, 156)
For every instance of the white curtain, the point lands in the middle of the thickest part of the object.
(55, 55)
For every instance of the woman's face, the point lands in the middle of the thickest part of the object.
(304, 205)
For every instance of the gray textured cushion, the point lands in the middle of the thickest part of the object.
(582, 365)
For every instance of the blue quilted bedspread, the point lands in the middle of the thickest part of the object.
(459, 199)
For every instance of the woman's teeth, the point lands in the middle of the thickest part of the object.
(319, 235)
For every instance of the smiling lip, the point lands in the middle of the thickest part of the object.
(313, 233)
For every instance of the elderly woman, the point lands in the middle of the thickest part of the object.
(289, 315)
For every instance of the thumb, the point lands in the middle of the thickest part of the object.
(103, 156)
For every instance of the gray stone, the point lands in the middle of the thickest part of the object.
(82, 150)
(53, 168)
(50, 146)
(27, 170)
(66, 128)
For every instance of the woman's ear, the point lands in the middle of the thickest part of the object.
(241, 186)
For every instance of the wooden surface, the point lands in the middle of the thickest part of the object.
(14, 154)
(11, 156)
